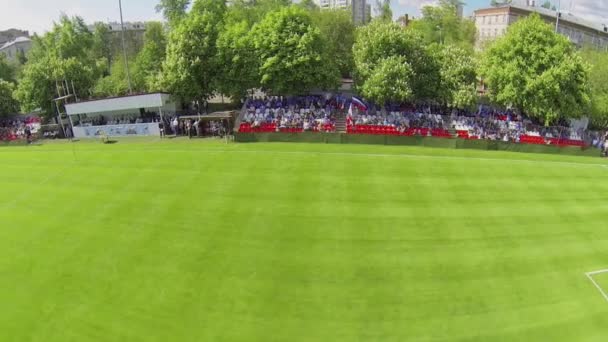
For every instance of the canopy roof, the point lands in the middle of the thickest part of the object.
(121, 104)
(212, 116)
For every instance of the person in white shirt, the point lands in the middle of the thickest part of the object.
(174, 125)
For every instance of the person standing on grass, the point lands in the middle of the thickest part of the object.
(189, 128)
(28, 134)
(161, 128)
(175, 126)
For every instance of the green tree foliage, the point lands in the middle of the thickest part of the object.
(8, 104)
(173, 10)
(458, 76)
(380, 40)
(21, 57)
(537, 72)
(598, 86)
(389, 81)
(238, 61)
(441, 24)
(64, 53)
(102, 45)
(191, 69)
(496, 3)
(546, 4)
(7, 72)
(383, 10)
(338, 28)
(309, 5)
(293, 54)
(117, 83)
(253, 12)
(148, 64)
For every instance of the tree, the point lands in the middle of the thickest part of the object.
(238, 61)
(173, 10)
(537, 71)
(338, 29)
(598, 86)
(253, 12)
(441, 24)
(380, 40)
(546, 4)
(21, 57)
(383, 10)
(7, 72)
(102, 45)
(8, 104)
(309, 5)
(497, 3)
(390, 81)
(116, 83)
(148, 64)
(293, 54)
(191, 68)
(64, 53)
(458, 76)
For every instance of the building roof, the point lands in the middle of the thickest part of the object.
(567, 17)
(113, 104)
(16, 41)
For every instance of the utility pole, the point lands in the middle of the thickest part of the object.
(557, 15)
(124, 48)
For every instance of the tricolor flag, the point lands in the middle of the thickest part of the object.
(359, 104)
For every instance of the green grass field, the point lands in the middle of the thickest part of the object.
(180, 240)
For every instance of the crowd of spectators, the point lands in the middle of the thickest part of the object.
(484, 124)
(311, 113)
(16, 129)
(101, 120)
(318, 113)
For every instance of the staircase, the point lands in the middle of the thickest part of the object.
(341, 123)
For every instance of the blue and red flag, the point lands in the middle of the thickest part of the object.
(359, 104)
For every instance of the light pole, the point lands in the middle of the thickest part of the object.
(124, 48)
(558, 14)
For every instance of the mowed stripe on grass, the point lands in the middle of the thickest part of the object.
(163, 241)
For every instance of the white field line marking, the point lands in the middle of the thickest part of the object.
(26, 194)
(349, 154)
(598, 272)
(419, 156)
(590, 276)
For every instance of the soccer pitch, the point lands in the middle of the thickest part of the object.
(148, 240)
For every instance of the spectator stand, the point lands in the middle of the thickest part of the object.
(14, 129)
(135, 115)
(315, 113)
(325, 113)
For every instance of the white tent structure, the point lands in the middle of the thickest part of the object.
(119, 116)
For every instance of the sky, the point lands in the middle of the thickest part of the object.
(38, 15)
